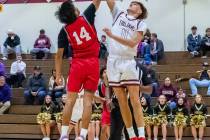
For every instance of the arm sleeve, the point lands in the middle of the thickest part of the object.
(142, 26)
(63, 39)
(89, 13)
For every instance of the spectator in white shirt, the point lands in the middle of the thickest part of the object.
(17, 72)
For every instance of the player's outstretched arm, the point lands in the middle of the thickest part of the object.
(126, 42)
(58, 64)
(111, 4)
(97, 3)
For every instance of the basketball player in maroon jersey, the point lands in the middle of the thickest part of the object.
(84, 71)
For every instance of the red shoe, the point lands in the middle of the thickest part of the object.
(141, 138)
(134, 138)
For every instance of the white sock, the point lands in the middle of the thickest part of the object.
(141, 132)
(131, 133)
(155, 138)
(83, 132)
(64, 130)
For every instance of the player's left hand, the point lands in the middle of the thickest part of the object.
(108, 32)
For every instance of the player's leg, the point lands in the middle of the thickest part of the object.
(71, 127)
(125, 110)
(67, 112)
(87, 111)
(92, 130)
(137, 109)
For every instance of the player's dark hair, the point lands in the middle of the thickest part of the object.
(144, 13)
(102, 71)
(66, 12)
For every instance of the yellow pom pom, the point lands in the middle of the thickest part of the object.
(59, 117)
(180, 120)
(197, 121)
(43, 118)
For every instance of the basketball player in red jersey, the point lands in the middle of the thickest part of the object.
(84, 71)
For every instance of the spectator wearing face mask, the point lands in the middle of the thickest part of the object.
(17, 73)
(42, 44)
(11, 44)
(36, 87)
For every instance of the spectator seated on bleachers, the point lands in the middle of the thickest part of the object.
(182, 94)
(168, 90)
(103, 48)
(41, 46)
(11, 44)
(205, 43)
(194, 42)
(143, 50)
(55, 90)
(2, 69)
(36, 87)
(5, 96)
(202, 81)
(17, 73)
(156, 48)
(151, 74)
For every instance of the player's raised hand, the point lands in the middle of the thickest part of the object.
(108, 32)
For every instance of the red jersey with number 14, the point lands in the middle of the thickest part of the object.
(83, 38)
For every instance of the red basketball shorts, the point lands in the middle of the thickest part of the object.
(83, 74)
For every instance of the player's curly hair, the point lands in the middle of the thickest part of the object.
(144, 10)
(66, 12)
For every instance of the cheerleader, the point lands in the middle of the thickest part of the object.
(94, 127)
(161, 114)
(46, 117)
(180, 114)
(198, 117)
(147, 111)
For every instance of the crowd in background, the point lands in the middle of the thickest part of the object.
(52, 96)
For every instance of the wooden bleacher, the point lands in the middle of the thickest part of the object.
(20, 122)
